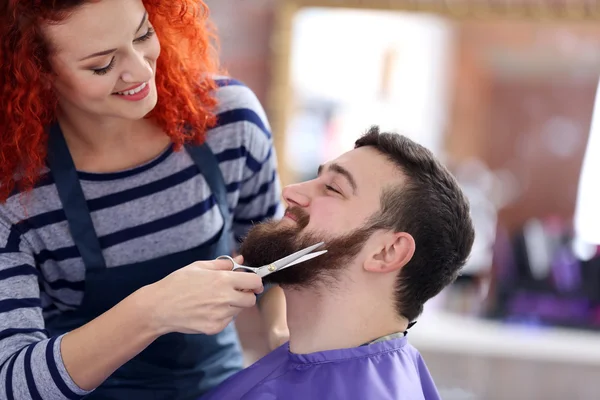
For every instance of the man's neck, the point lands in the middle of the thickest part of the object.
(325, 319)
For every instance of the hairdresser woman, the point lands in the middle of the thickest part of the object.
(122, 166)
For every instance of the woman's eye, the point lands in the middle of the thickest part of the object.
(109, 67)
(104, 70)
(146, 36)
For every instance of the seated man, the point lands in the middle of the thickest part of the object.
(397, 229)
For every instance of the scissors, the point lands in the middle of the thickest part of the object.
(292, 259)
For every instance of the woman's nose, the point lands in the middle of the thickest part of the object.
(138, 70)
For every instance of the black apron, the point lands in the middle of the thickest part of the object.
(175, 366)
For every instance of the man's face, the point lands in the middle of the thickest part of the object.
(334, 208)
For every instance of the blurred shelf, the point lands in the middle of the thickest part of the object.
(440, 331)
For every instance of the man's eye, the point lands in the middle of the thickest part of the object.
(331, 188)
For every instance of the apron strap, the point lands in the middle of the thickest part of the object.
(75, 206)
(209, 167)
(73, 200)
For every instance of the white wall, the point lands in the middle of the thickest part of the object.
(337, 54)
(587, 212)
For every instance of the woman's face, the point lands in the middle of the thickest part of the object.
(104, 59)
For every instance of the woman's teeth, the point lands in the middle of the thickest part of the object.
(133, 91)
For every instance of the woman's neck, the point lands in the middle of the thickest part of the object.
(111, 144)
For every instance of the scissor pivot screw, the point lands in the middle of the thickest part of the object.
(272, 268)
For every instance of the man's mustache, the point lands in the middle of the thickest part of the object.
(299, 215)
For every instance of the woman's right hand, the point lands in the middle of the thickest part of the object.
(202, 297)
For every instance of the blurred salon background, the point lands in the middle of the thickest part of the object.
(504, 93)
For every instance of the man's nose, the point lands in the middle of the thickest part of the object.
(296, 195)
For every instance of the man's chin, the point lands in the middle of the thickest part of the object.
(293, 284)
(295, 288)
(270, 241)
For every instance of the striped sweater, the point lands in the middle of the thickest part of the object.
(159, 208)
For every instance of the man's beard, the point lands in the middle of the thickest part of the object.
(269, 241)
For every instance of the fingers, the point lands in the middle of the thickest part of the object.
(244, 281)
(247, 281)
(218, 265)
(243, 299)
(216, 326)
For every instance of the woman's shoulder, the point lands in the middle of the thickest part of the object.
(235, 94)
(241, 118)
(237, 102)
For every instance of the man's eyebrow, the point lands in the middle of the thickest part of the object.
(109, 51)
(338, 169)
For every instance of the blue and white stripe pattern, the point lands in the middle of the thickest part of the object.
(159, 208)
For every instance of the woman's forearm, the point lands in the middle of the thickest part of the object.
(94, 351)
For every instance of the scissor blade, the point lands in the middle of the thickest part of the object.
(295, 256)
(305, 258)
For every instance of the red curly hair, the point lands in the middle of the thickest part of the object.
(28, 104)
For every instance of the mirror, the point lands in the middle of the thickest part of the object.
(503, 92)
(504, 96)
(418, 66)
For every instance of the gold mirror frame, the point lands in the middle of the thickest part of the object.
(581, 11)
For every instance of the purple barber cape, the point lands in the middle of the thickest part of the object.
(390, 370)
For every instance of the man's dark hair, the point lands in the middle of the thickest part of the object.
(432, 208)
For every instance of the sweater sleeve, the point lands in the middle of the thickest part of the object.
(31, 365)
(259, 186)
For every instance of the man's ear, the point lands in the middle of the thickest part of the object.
(392, 251)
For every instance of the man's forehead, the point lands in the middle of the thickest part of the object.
(367, 164)
(358, 159)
